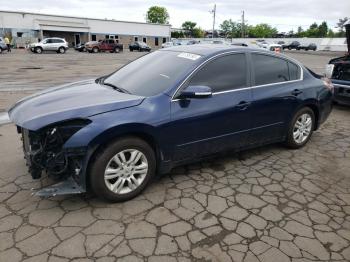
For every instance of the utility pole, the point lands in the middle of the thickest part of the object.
(214, 14)
(243, 26)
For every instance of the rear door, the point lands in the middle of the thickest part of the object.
(220, 122)
(276, 93)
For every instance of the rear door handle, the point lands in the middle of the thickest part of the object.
(296, 92)
(243, 105)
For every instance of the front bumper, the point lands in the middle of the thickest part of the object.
(342, 93)
(71, 178)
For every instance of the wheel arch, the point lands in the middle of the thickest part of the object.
(141, 131)
(313, 105)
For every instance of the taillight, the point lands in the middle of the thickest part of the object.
(328, 83)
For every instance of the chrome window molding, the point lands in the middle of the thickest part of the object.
(248, 87)
(339, 85)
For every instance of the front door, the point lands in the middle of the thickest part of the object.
(77, 39)
(277, 93)
(222, 121)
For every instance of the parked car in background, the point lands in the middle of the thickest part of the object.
(3, 46)
(281, 43)
(54, 44)
(307, 47)
(139, 46)
(270, 46)
(291, 45)
(167, 108)
(239, 44)
(106, 45)
(80, 47)
(339, 72)
(167, 44)
(192, 42)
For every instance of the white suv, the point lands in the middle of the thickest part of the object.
(56, 44)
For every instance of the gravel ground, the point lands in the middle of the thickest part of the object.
(266, 204)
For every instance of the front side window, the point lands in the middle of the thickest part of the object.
(222, 74)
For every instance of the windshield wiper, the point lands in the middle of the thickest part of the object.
(119, 89)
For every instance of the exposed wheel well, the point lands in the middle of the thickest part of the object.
(316, 113)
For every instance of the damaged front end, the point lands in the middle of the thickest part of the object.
(44, 152)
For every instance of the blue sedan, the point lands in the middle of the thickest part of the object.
(170, 107)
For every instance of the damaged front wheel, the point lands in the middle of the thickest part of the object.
(123, 169)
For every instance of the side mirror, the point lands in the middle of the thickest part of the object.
(329, 71)
(195, 92)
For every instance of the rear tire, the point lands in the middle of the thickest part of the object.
(61, 50)
(122, 169)
(116, 50)
(95, 50)
(0, 50)
(300, 128)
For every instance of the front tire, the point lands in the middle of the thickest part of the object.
(38, 50)
(123, 169)
(95, 50)
(116, 50)
(301, 128)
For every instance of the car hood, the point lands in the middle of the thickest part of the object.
(76, 100)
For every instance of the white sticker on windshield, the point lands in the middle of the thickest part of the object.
(189, 56)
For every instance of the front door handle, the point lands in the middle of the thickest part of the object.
(243, 105)
(296, 92)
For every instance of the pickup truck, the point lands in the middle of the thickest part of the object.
(107, 45)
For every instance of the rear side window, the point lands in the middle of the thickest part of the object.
(269, 69)
(294, 71)
(224, 73)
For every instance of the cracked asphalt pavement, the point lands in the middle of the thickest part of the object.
(267, 204)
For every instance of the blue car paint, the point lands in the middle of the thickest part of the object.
(179, 130)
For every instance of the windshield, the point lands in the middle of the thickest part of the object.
(153, 73)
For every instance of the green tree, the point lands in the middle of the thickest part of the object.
(197, 32)
(177, 34)
(323, 29)
(340, 25)
(189, 27)
(262, 30)
(230, 29)
(330, 33)
(157, 15)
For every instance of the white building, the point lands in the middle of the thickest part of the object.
(23, 26)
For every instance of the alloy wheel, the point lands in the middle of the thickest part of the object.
(126, 171)
(302, 128)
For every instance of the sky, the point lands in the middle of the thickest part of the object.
(286, 15)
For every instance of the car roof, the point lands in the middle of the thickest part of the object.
(210, 49)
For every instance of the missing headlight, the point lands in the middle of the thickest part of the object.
(44, 148)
